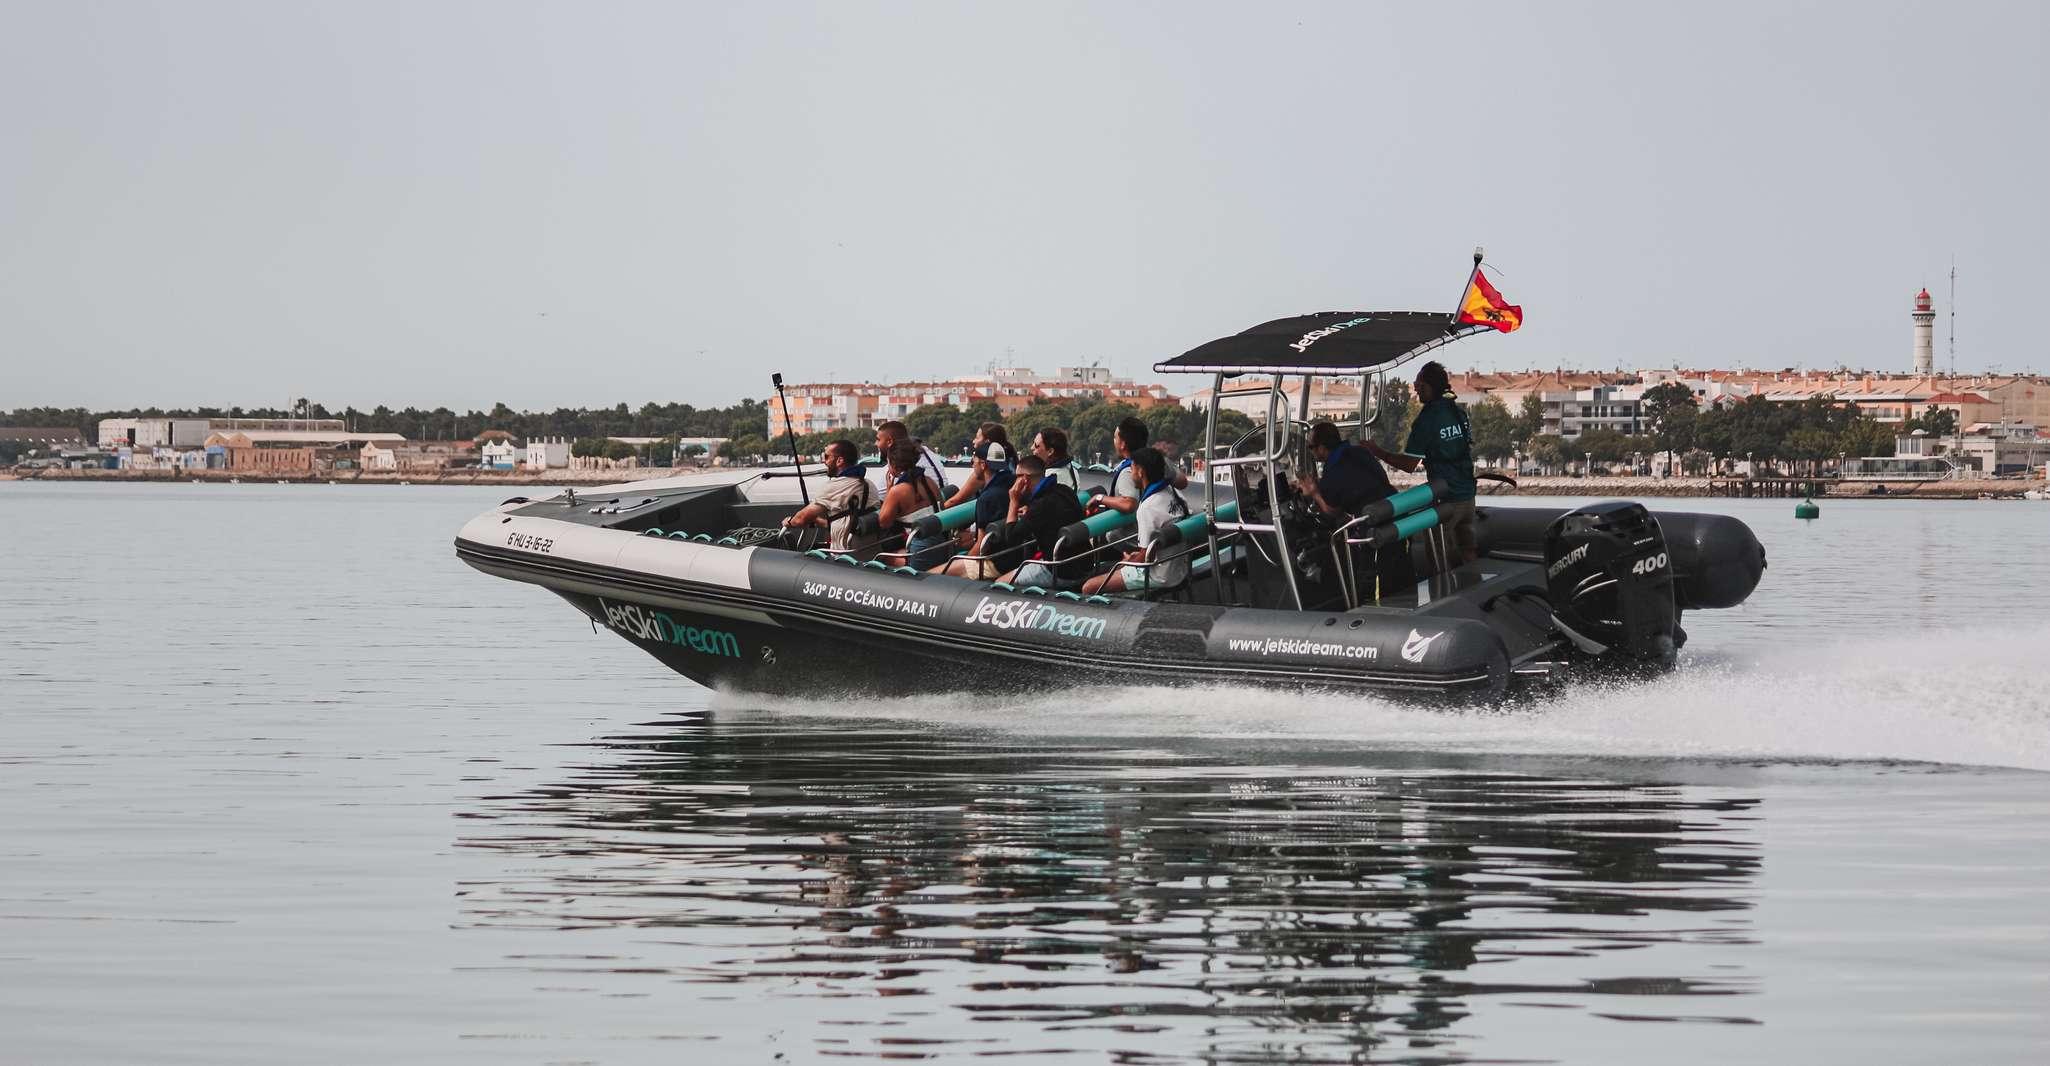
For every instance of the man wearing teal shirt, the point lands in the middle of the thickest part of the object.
(1441, 441)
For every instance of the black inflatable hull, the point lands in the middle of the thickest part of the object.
(774, 621)
(809, 626)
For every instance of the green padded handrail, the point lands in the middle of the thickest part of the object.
(1108, 521)
(1198, 525)
(1412, 524)
(1408, 525)
(956, 518)
(1409, 500)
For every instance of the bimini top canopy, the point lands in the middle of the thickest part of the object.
(1328, 342)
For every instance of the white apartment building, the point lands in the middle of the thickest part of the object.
(1615, 407)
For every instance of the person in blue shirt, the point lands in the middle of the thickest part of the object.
(1351, 479)
(993, 473)
(1441, 441)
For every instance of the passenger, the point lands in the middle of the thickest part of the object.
(1129, 437)
(1160, 506)
(1046, 506)
(967, 490)
(994, 473)
(1051, 446)
(912, 496)
(846, 495)
(1351, 479)
(889, 435)
(1441, 441)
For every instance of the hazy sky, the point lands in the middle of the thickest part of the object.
(588, 203)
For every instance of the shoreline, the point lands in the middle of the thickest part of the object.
(1647, 487)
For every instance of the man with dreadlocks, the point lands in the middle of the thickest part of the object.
(1441, 441)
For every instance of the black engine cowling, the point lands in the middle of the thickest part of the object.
(1609, 576)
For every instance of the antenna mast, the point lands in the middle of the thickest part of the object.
(1953, 316)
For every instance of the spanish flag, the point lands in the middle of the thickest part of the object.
(1484, 306)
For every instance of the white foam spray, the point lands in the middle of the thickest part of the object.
(1968, 698)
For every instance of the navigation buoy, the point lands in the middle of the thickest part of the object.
(1807, 511)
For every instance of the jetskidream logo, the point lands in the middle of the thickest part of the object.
(646, 623)
(1316, 335)
(1022, 614)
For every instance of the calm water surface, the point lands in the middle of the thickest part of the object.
(280, 780)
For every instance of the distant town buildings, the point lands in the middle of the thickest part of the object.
(2000, 420)
(818, 408)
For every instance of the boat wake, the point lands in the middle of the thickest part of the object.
(1962, 698)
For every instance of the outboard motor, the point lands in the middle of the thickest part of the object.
(1610, 580)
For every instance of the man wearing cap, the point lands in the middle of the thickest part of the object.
(993, 472)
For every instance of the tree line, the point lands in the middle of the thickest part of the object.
(1088, 422)
(441, 423)
(1802, 438)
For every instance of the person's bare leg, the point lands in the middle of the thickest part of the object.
(1105, 583)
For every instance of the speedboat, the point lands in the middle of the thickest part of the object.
(696, 571)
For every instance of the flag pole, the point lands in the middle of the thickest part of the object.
(1468, 287)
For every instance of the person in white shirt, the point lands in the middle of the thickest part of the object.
(1159, 507)
(1051, 446)
(847, 493)
(1125, 486)
(889, 435)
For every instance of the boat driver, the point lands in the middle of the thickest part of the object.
(1351, 480)
(847, 493)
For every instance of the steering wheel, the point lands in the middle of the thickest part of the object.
(1249, 480)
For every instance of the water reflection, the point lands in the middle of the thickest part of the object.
(1285, 911)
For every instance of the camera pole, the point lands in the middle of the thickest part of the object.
(791, 428)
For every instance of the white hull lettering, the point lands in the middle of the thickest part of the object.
(1297, 646)
(869, 598)
(1316, 335)
(1567, 560)
(1044, 617)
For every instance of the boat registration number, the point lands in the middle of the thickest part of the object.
(529, 542)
